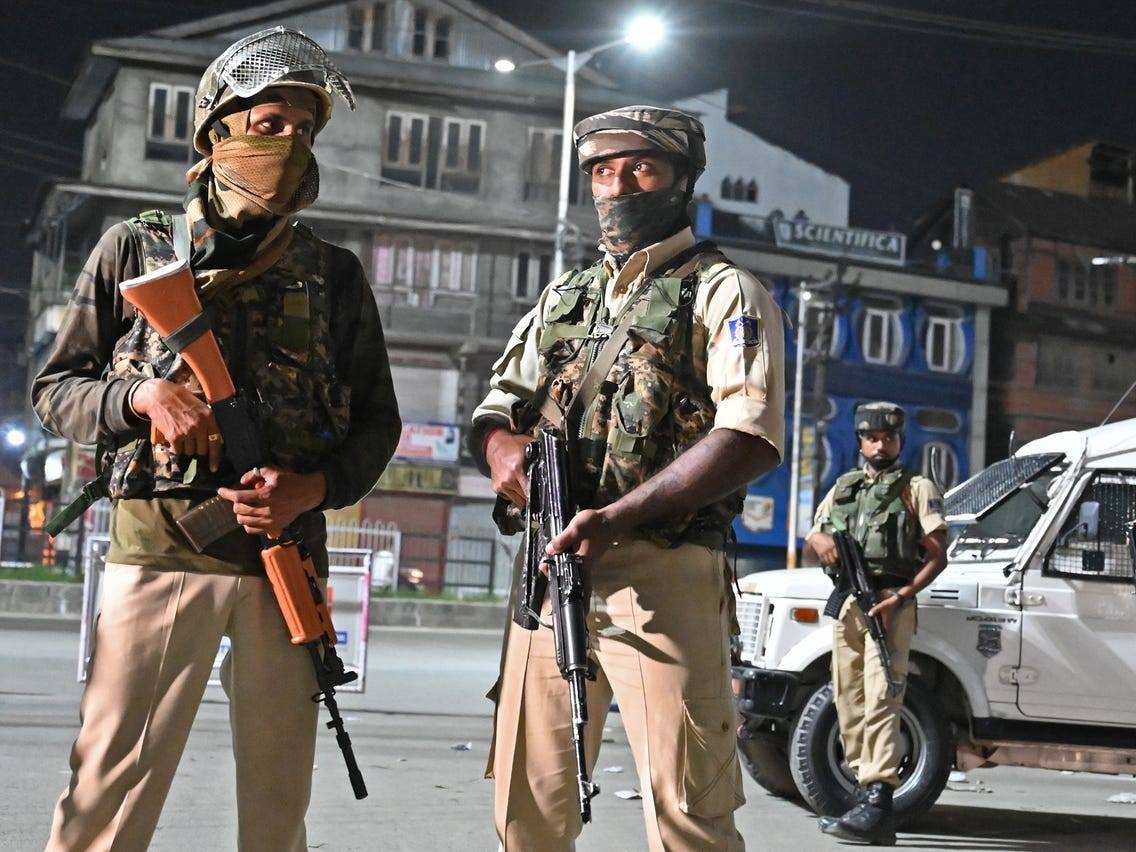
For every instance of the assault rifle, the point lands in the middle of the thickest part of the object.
(168, 301)
(548, 511)
(853, 579)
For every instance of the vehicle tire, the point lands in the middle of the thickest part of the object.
(765, 757)
(828, 786)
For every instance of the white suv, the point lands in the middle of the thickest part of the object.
(1025, 653)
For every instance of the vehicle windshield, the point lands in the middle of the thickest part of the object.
(1007, 525)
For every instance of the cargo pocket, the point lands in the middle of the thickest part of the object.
(710, 780)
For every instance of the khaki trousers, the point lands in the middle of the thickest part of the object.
(868, 713)
(155, 642)
(659, 627)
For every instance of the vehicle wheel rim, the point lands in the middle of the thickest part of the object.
(912, 765)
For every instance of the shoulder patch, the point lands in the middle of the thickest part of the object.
(745, 331)
(935, 504)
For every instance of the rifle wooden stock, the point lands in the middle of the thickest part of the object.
(168, 300)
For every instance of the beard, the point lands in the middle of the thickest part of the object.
(879, 462)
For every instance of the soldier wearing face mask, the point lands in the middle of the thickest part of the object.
(896, 516)
(300, 333)
(684, 409)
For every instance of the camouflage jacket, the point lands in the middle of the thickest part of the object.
(652, 405)
(304, 337)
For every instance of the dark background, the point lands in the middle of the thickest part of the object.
(902, 106)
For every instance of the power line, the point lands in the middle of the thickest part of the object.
(928, 23)
(24, 137)
(22, 66)
(48, 158)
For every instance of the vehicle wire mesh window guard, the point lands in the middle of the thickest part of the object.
(1093, 541)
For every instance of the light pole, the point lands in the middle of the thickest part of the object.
(643, 33)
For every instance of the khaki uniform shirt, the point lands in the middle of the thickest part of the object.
(925, 497)
(746, 377)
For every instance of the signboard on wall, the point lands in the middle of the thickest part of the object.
(429, 442)
(855, 243)
(420, 478)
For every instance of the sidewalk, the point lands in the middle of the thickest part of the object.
(40, 605)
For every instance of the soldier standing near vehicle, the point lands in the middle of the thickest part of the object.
(686, 407)
(896, 516)
(300, 331)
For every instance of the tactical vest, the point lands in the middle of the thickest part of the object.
(274, 332)
(877, 514)
(650, 408)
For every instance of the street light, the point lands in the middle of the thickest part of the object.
(15, 437)
(643, 33)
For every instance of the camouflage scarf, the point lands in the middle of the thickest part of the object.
(640, 219)
(238, 202)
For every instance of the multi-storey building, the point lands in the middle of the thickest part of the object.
(1060, 234)
(444, 183)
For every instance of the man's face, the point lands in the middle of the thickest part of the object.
(277, 119)
(880, 447)
(634, 173)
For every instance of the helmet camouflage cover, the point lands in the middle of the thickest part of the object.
(880, 417)
(273, 57)
(637, 128)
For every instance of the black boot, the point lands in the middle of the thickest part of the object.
(872, 821)
(858, 796)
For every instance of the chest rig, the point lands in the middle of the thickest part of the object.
(649, 406)
(878, 515)
(274, 332)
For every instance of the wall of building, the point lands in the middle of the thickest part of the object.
(783, 181)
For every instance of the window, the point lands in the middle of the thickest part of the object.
(881, 336)
(434, 153)
(367, 26)
(1102, 284)
(169, 125)
(940, 464)
(821, 334)
(739, 189)
(530, 273)
(727, 191)
(751, 191)
(461, 156)
(431, 37)
(542, 170)
(418, 269)
(943, 344)
(442, 28)
(1092, 543)
(938, 420)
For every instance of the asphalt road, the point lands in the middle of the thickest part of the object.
(424, 696)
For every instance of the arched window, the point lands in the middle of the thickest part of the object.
(940, 464)
(727, 189)
(881, 335)
(751, 191)
(739, 189)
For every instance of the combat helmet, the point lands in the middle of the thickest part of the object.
(636, 128)
(879, 417)
(273, 57)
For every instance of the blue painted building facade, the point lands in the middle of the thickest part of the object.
(872, 331)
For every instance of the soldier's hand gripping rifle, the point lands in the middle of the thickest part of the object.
(168, 301)
(549, 509)
(853, 580)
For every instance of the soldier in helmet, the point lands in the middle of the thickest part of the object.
(299, 330)
(896, 515)
(686, 407)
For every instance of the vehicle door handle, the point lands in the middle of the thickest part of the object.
(1014, 597)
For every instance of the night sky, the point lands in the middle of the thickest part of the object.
(904, 116)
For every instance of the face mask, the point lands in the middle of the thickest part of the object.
(631, 222)
(263, 176)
